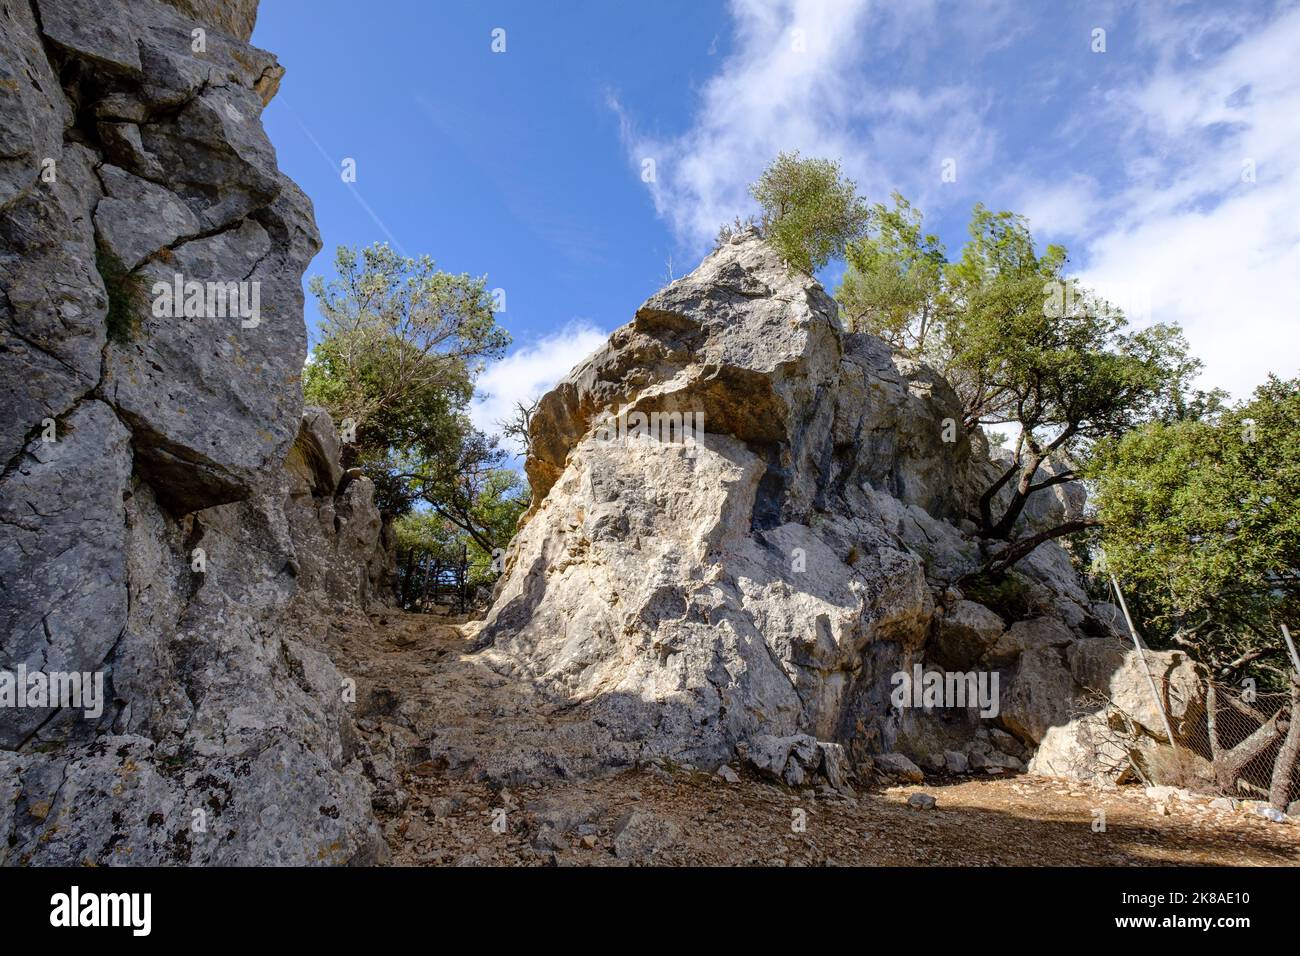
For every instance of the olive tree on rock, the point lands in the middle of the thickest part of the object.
(810, 210)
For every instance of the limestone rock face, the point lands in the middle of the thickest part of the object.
(235, 17)
(64, 519)
(1126, 729)
(1032, 634)
(964, 632)
(345, 548)
(169, 520)
(1041, 695)
(701, 594)
(767, 580)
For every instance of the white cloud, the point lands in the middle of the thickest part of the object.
(1059, 210)
(803, 75)
(1217, 254)
(1160, 220)
(530, 371)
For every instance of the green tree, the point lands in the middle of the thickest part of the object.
(501, 500)
(894, 286)
(1000, 286)
(396, 330)
(1064, 382)
(426, 540)
(400, 346)
(1201, 521)
(1026, 347)
(1022, 345)
(426, 543)
(468, 485)
(810, 210)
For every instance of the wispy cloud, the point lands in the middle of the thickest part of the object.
(1208, 223)
(530, 371)
(804, 74)
(1066, 207)
(1142, 175)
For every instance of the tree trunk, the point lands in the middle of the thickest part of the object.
(1211, 721)
(1025, 486)
(408, 589)
(1021, 548)
(466, 525)
(1231, 762)
(1019, 498)
(986, 499)
(1279, 791)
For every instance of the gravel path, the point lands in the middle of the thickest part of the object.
(415, 680)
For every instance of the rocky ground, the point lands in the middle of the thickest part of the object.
(414, 677)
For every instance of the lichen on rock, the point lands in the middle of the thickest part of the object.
(158, 528)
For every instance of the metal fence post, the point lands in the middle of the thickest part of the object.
(1290, 646)
(1137, 644)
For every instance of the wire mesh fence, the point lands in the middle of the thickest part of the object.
(1229, 740)
(1248, 740)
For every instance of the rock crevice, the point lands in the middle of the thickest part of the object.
(172, 519)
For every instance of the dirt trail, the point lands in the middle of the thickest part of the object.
(417, 684)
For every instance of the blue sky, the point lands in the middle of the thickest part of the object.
(1165, 153)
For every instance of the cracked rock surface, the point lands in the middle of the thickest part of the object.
(170, 518)
(766, 583)
(173, 520)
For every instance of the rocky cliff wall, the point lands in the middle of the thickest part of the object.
(172, 521)
(767, 581)
(175, 525)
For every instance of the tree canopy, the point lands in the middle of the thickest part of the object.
(1023, 345)
(894, 284)
(400, 348)
(400, 345)
(810, 210)
(1201, 519)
